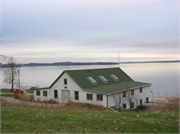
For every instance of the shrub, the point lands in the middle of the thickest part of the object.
(141, 107)
(83, 106)
(18, 97)
(25, 97)
(50, 101)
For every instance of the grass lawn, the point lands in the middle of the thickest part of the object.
(10, 95)
(9, 91)
(29, 91)
(16, 120)
(13, 95)
(6, 90)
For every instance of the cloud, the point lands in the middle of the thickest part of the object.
(90, 30)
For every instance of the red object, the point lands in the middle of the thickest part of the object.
(16, 91)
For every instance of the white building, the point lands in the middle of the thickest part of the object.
(96, 86)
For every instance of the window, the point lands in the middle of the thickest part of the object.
(132, 104)
(124, 106)
(76, 95)
(147, 99)
(44, 93)
(140, 101)
(38, 93)
(114, 77)
(140, 90)
(55, 93)
(103, 79)
(99, 97)
(124, 94)
(89, 97)
(92, 80)
(65, 81)
(132, 92)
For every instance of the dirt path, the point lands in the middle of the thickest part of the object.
(5, 93)
(14, 101)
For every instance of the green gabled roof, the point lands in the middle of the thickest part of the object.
(116, 87)
(80, 76)
(125, 82)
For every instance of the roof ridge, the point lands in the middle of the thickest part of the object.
(92, 69)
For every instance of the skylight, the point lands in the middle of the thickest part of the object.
(103, 79)
(92, 80)
(114, 77)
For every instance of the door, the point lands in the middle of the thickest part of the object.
(65, 96)
(55, 93)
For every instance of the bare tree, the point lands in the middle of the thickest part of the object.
(118, 100)
(136, 100)
(10, 71)
(132, 99)
(3, 58)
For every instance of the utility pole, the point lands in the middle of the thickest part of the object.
(19, 83)
(118, 58)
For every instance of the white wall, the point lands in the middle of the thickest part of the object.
(41, 97)
(71, 86)
(146, 92)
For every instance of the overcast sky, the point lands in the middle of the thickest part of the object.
(89, 31)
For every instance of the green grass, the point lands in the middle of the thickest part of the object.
(13, 95)
(9, 91)
(6, 90)
(10, 95)
(29, 91)
(15, 120)
(32, 96)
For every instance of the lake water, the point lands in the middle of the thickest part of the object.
(162, 76)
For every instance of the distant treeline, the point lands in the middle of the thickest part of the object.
(62, 64)
(82, 63)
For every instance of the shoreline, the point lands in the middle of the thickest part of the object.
(85, 63)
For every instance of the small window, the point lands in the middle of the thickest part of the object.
(76, 95)
(140, 101)
(55, 93)
(124, 106)
(147, 99)
(89, 97)
(99, 97)
(103, 79)
(140, 90)
(92, 80)
(65, 81)
(132, 92)
(124, 94)
(114, 77)
(44, 93)
(132, 104)
(38, 93)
